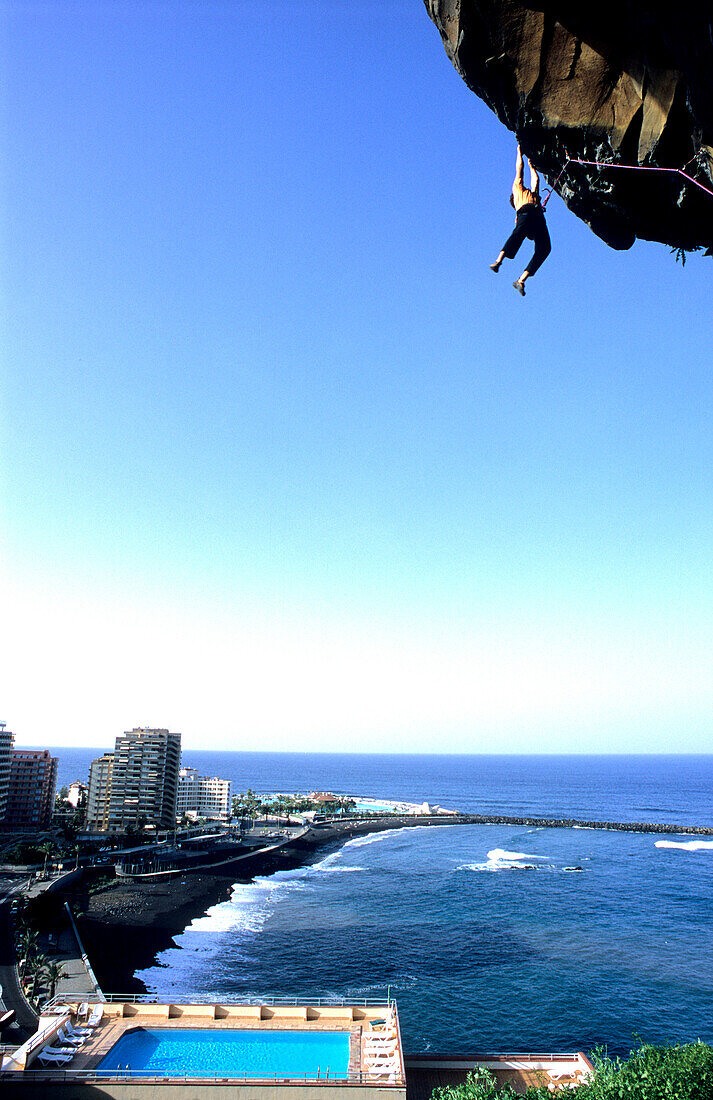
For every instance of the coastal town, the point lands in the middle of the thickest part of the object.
(140, 820)
(97, 879)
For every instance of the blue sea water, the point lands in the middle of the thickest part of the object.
(485, 934)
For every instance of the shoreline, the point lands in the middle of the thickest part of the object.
(127, 925)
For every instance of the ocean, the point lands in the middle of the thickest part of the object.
(490, 937)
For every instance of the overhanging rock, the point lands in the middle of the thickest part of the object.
(625, 83)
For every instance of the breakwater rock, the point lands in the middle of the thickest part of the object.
(577, 823)
(340, 829)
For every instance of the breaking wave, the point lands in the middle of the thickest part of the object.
(686, 845)
(501, 860)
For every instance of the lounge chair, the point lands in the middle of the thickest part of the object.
(66, 1037)
(383, 1050)
(54, 1059)
(78, 1032)
(389, 1071)
(60, 1055)
(96, 1015)
(383, 1064)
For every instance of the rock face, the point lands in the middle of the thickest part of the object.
(627, 83)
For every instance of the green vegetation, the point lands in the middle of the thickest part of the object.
(650, 1073)
(682, 253)
(253, 805)
(27, 853)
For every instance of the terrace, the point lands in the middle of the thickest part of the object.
(372, 1059)
(271, 1050)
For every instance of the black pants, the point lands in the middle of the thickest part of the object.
(530, 223)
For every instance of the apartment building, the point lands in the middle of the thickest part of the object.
(31, 789)
(136, 785)
(202, 796)
(6, 740)
(99, 792)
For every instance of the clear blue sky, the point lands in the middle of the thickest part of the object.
(283, 464)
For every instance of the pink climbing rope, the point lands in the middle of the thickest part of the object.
(631, 167)
(643, 168)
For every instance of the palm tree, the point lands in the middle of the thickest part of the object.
(52, 971)
(36, 966)
(27, 945)
(47, 849)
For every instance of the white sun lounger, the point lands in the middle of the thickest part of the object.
(61, 1055)
(388, 1072)
(78, 1032)
(382, 1052)
(95, 1017)
(383, 1064)
(66, 1037)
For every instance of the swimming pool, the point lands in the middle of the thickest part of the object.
(196, 1052)
(372, 806)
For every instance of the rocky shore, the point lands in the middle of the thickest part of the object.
(126, 925)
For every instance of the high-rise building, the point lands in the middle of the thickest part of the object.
(136, 784)
(30, 794)
(99, 792)
(6, 739)
(202, 795)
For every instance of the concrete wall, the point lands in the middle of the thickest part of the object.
(47, 1088)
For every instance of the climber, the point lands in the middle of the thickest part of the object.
(530, 222)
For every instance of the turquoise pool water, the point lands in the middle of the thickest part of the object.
(173, 1052)
(375, 807)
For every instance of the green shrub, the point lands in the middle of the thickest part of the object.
(649, 1073)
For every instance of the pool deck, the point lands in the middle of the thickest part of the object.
(377, 1062)
(119, 1018)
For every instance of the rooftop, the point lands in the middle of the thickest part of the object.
(376, 1061)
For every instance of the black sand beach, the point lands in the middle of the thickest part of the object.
(126, 926)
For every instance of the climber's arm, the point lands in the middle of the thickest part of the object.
(534, 179)
(518, 167)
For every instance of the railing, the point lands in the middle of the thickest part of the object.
(57, 1074)
(504, 1056)
(270, 1002)
(237, 999)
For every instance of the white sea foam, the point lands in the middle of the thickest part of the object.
(371, 838)
(501, 860)
(686, 845)
(249, 905)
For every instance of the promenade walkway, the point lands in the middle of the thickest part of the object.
(77, 980)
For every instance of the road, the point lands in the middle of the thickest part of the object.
(12, 995)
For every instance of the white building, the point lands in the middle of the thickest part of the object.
(202, 796)
(76, 793)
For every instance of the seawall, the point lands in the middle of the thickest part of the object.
(329, 831)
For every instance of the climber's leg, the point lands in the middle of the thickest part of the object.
(543, 247)
(515, 239)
